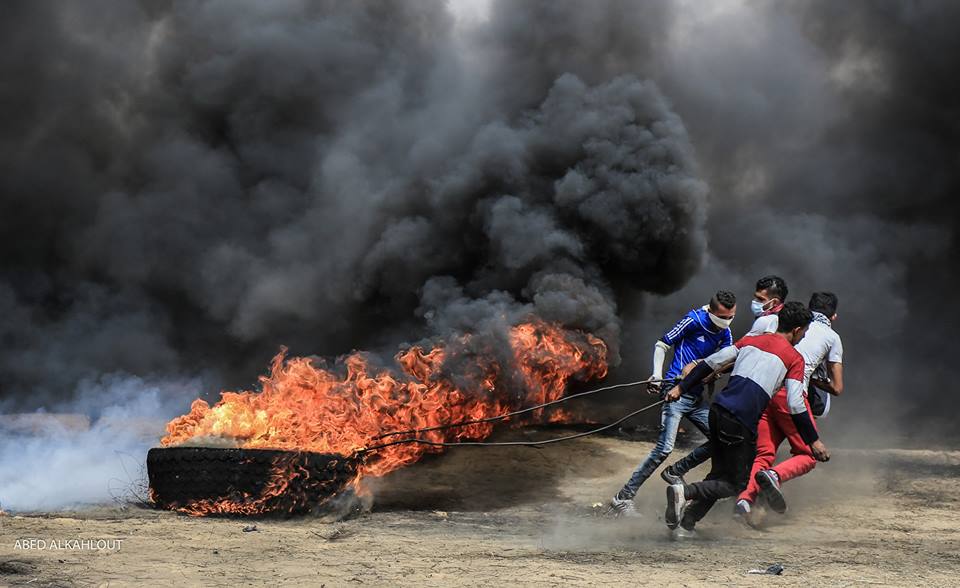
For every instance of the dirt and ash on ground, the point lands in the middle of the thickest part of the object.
(525, 516)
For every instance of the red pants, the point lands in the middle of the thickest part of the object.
(775, 425)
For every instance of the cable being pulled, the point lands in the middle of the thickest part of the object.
(501, 417)
(715, 374)
(512, 443)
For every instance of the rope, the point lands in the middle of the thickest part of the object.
(513, 443)
(521, 411)
(716, 373)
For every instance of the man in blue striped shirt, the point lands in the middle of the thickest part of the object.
(697, 335)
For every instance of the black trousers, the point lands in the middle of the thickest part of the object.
(734, 449)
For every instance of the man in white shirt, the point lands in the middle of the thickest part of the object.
(825, 379)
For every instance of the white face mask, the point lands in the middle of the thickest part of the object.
(720, 322)
(757, 307)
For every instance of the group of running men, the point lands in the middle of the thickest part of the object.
(782, 375)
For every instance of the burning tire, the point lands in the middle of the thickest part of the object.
(206, 480)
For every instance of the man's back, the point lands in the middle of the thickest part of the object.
(764, 324)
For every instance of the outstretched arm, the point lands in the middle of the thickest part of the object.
(659, 358)
(669, 339)
(802, 418)
(702, 370)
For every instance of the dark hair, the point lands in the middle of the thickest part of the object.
(723, 298)
(824, 302)
(793, 315)
(774, 285)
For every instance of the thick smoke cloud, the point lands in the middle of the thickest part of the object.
(188, 185)
(185, 186)
(899, 162)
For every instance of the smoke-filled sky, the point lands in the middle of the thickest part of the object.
(185, 186)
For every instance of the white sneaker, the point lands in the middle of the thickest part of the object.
(743, 512)
(676, 504)
(622, 507)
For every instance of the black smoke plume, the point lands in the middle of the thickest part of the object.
(185, 186)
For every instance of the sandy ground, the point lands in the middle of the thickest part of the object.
(524, 516)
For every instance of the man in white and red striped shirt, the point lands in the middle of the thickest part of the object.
(763, 363)
(820, 345)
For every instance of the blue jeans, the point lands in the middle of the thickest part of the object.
(697, 411)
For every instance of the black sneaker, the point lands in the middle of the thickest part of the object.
(770, 487)
(670, 477)
(682, 534)
(676, 504)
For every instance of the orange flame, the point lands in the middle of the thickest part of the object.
(306, 407)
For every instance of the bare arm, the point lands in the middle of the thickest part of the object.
(835, 384)
(803, 420)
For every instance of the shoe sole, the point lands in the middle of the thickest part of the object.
(674, 508)
(771, 492)
(671, 479)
